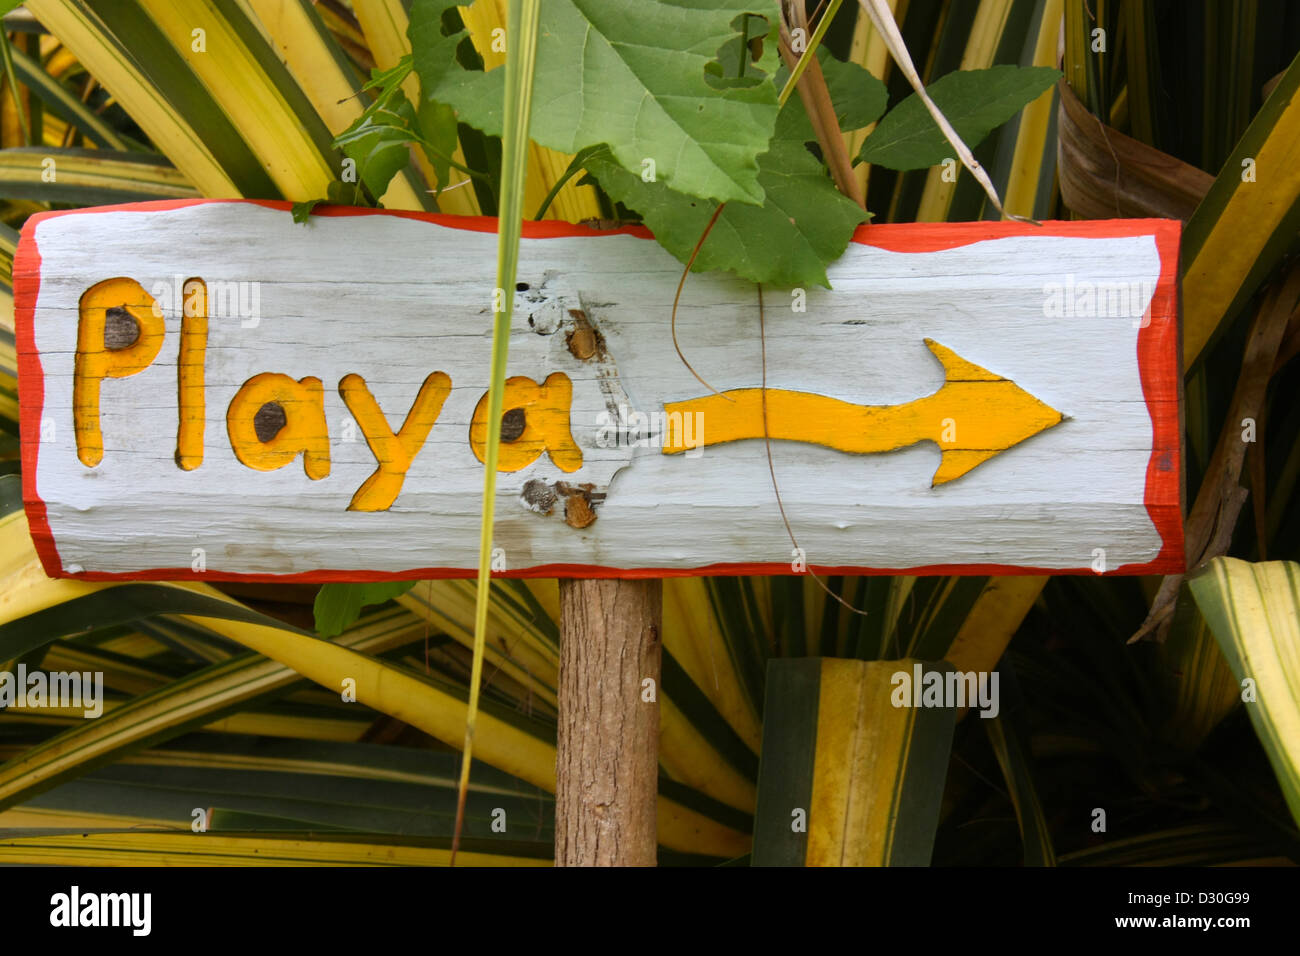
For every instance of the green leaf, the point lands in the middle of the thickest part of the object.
(377, 139)
(338, 605)
(868, 775)
(858, 97)
(89, 177)
(974, 101)
(523, 23)
(1254, 611)
(1011, 757)
(377, 142)
(803, 224)
(437, 126)
(630, 74)
(195, 700)
(735, 66)
(63, 103)
(1241, 232)
(302, 210)
(385, 80)
(433, 55)
(576, 165)
(339, 194)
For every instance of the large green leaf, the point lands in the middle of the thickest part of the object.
(847, 778)
(858, 97)
(1254, 611)
(803, 224)
(974, 101)
(89, 177)
(1011, 756)
(62, 103)
(126, 52)
(171, 710)
(338, 605)
(631, 74)
(1200, 844)
(309, 782)
(1247, 222)
(144, 848)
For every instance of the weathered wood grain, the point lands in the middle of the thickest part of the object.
(371, 336)
(607, 741)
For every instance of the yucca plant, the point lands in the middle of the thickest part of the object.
(225, 736)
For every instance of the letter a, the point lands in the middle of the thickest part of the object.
(272, 419)
(540, 414)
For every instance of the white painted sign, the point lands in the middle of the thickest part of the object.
(209, 389)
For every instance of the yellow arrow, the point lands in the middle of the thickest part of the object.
(972, 417)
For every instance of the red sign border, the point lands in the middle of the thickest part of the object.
(1159, 347)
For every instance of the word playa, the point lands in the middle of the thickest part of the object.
(210, 379)
(274, 418)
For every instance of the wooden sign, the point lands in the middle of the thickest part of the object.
(209, 389)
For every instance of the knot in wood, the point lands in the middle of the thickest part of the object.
(268, 421)
(513, 424)
(121, 330)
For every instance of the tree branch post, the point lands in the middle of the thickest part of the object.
(607, 754)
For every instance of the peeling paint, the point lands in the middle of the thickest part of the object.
(578, 510)
(538, 496)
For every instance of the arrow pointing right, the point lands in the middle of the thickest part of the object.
(982, 414)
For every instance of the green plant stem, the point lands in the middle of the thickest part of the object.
(822, 25)
(521, 56)
(574, 168)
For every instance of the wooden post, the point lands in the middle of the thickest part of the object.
(607, 758)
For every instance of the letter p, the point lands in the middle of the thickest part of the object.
(119, 333)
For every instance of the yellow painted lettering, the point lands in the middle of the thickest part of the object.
(119, 333)
(538, 420)
(272, 419)
(394, 453)
(189, 375)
